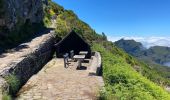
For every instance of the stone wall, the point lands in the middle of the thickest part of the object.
(24, 67)
(99, 63)
(96, 64)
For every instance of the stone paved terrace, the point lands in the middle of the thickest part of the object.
(54, 82)
(21, 51)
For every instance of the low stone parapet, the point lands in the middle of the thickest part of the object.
(96, 64)
(23, 67)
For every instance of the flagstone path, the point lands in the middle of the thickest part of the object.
(54, 82)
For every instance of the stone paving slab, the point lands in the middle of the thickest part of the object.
(54, 82)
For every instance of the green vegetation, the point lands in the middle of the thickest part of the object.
(6, 97)
(67, 21)
(51, 11)
(157, 54)
(124, 76)
(147, 71)
(122, 82)
(154, 57)
(130, 46)
(13, 82)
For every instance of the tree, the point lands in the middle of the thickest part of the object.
(104, 36)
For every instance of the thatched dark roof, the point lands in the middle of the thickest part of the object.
(72, 42)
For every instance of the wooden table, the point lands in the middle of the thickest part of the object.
(83, 52)
(79, 58)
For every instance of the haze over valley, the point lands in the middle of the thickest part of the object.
(146, 41)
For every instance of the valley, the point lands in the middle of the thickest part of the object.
(156, 54)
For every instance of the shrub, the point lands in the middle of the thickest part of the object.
(6, 97)
(13, 82)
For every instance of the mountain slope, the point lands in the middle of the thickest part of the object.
(132, 47)
(124, 76)
(157, 54)
(123, 82)
(67, 20)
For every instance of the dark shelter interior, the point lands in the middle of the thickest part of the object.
(72, 42)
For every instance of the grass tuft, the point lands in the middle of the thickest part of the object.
(6, 97)
(13, 82)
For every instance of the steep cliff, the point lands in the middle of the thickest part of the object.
(19, 20)
(15, 13)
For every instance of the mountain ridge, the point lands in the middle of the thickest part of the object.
(158, 54)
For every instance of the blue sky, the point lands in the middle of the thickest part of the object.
(144, 18)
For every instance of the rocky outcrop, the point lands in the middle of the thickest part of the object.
(15, 13)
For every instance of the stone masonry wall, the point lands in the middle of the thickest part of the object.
(99, 63)
(96, 64)
(24, 67)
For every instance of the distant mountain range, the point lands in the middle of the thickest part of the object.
(146, 41)
(155, 54)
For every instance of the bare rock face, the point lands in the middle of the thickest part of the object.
(15, 13)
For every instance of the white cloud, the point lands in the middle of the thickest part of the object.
(146, 41)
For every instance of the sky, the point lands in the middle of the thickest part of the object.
(124, 18)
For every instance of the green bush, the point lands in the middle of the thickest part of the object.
(13, 82)
(6, 97)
